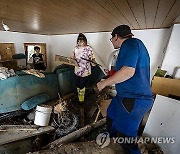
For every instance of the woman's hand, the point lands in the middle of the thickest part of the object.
(101, 85)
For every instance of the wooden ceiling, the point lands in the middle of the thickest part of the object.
(75, 16)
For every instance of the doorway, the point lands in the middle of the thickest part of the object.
(29, 50)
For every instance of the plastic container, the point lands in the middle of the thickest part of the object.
(42, 115)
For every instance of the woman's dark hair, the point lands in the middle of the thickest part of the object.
(81, 36)
(36, 48)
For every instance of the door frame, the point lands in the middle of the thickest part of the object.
(38, 44)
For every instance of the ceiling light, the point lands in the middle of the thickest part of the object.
(6, 28)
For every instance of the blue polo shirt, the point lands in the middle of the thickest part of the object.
(133, 53)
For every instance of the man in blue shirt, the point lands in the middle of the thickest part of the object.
(132, 81)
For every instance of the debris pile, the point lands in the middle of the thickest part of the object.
(63, 120)
(150, 148)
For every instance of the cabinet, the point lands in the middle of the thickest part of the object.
(7, 51)
(166, 86)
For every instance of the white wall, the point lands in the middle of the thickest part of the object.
(19, 38)
(155, 41)
(172, 56)
(64, 44)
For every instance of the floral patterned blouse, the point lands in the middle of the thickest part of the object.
(84, 67)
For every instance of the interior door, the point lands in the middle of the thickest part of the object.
(29, 50)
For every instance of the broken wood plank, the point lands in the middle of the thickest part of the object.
(65, 60)
(82, 121)
(11, 136)
(92, 111)
(97, 115)
(2, 127)
(17, 129)
(68, 96)
(76, 134)
(81, 117)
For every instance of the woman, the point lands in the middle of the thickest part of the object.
(83, 54)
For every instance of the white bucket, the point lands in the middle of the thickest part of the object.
(42, 115)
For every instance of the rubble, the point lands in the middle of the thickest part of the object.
(63, 120)
(69, 123)
(87, 147)
(76, 134)
(150, 148)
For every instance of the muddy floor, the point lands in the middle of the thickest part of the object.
(85, 113)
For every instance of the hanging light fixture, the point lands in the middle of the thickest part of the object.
(6, 28)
